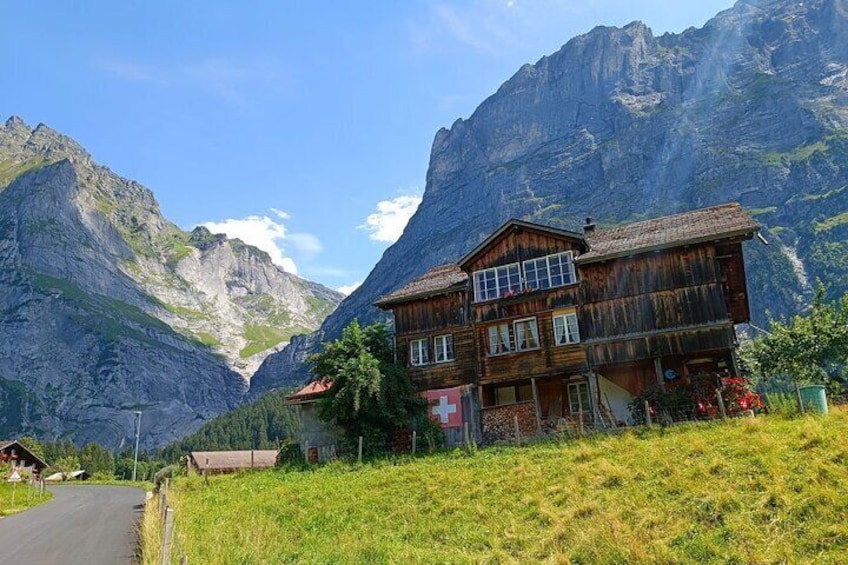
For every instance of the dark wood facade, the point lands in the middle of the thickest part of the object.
(663, 303)
(428, 318)
(669, 303)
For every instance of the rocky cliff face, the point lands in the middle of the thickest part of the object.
(106, 307)
(621, 125)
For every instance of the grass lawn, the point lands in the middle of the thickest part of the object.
(24, 497)
(764, 490)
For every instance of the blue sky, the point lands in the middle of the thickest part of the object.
(303, 127)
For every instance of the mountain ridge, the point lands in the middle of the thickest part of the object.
(622, 125)
(145, 315)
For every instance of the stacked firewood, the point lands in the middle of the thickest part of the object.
(499, 421)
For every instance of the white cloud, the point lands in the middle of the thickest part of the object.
(305, 243)
(391, 217)
(260, 231)
(348, 288)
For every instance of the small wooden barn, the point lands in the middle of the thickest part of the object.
(14, 453)
(217, 462)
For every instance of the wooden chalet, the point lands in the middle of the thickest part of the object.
(552, 325)
(15, 454)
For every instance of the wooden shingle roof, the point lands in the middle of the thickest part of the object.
(438, 280)
(226, 460)
(706, 224)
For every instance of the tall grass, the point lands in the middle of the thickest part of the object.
(25, 496)
(765, 490)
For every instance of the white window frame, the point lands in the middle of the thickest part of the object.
(420, 346)
(571, 331)
(493, 283)
(444, 348)
(533, 342)
(539, 264)
(496, 339)
(578, 388)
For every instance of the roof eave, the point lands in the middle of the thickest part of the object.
(747, 233)
(458, 287)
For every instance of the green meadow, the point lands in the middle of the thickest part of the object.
(14, 499)
(768, 490)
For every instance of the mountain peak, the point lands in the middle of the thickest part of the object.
(15, 122)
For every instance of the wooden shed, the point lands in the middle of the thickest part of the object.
(216, 462)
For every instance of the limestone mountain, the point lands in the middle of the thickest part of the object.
(622, 125)
(106, 307)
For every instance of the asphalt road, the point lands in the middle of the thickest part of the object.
(82, 524)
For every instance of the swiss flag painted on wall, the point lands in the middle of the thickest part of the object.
(445, 406)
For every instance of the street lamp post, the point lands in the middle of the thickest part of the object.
(137, 430)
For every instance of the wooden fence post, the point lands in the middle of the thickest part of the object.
(168, 540)
(163, 504)
(470, 442)
(721, 407)
(359, 454)
(536, 407)
(648, 421)
(414, 440)
(800, 400)
(517, 429)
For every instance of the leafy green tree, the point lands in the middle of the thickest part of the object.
(371, 396)
(58, 449)
(65, 465)
(95, 458)
(808, 348)
(33, 446)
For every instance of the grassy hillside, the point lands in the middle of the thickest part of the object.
(765, 490)
(24, 497)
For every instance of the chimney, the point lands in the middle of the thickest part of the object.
(589, 227)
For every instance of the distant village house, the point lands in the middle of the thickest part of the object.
(13, 453)
(318, 439)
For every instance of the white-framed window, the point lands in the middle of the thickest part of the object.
(520, 335)
(549, 271)
(526, 334)
(565, 329)
(419, 353)
(501, 339)
(496, 282)
(579, 401)
(443, 344)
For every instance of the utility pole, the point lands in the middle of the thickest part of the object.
(137, 430)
